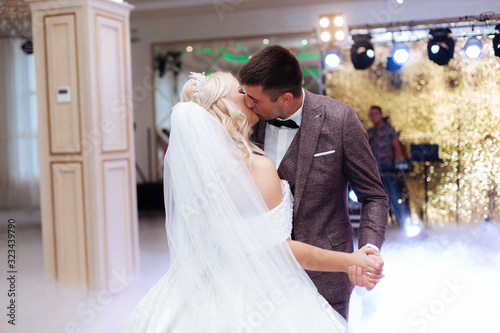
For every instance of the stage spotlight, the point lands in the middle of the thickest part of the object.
(338, 21)
(324, 22)
(332, 61)
(362, 53)
(339, 35)
(325, 36)
(333, 58)
(441, 46)
(353, 196)
(332, 28)
(496, 41)
(413, 230)
(473, 48)
(400, 53)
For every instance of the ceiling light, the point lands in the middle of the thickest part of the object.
(339, 35)
(325, 36)
(496, 41)
(333, 58)
(473, 48)
(324, 22)
(401, 53)
(441, 46)
(338, 21)
(362, 52)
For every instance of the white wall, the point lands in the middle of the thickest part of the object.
(240, 20)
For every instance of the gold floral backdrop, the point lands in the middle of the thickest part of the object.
(455, 106)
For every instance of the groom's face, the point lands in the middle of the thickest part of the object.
(260, 103)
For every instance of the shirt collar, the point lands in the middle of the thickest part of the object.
(297, 116)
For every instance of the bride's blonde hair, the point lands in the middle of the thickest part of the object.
(216, 101)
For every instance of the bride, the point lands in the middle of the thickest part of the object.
(233, 267)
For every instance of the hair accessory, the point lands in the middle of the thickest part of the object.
(199, 83)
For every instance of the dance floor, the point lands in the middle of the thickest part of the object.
(443, 280)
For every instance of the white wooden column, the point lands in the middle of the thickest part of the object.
(88, 187)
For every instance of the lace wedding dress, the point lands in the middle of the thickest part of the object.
(231, 267)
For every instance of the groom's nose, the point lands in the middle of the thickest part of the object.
(248, 101)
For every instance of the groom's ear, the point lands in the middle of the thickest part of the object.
(285, 100)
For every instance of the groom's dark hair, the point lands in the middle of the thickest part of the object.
(276, 69)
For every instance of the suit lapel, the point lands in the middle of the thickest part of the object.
(312, 121)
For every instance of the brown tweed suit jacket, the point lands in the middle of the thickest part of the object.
(320, 184)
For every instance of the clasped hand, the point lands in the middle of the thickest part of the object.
(365, 268)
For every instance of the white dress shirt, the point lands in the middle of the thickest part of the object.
(278, 139)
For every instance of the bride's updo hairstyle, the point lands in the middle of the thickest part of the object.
(216, 100)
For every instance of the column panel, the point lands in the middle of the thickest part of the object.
(69, 223)
(62, 84)
(119, 215)
(112, 91)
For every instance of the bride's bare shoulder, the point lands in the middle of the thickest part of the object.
(263, 163)
(267, 180)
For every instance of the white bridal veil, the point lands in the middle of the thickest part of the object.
(230, 271)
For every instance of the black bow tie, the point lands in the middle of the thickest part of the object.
(287, 123)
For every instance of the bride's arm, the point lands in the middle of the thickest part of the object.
(313, 258)
(309, 257)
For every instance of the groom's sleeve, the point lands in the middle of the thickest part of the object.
(360, 169)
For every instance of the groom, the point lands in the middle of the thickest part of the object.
(319, 146)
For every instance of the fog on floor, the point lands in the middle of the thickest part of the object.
(442, 280)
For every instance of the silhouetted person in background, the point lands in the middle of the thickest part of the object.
(386, 150)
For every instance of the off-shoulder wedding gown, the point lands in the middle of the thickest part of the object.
(231, 268)
(295, 306)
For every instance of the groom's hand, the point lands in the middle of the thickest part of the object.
(366, 267)
(357, 278)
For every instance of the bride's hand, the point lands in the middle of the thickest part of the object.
(364, 258)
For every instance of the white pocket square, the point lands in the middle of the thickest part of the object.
(324, 153)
